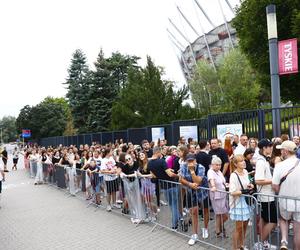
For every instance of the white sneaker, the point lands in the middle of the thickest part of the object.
(158, 210)
(204, 233)
(117, 206)
(108, 208)
(163, 203)
(119, 202)
(135, 221)
(258, 246)
(193, 239)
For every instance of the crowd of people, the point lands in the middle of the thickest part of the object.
(191, 176)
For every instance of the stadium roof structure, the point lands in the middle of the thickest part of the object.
(210, 46)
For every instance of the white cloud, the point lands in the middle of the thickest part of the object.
(39, 37)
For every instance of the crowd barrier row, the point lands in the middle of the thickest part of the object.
(185, 211)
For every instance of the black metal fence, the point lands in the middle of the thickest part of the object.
(256, 123)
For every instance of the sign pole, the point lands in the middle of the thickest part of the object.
(275, 82)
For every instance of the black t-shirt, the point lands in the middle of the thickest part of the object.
(249, 166)
(149, 153)
(65, 162)
(55, 160)
(204, 159)
(44, 158)
(158, 167)
(127, 169)
(221, 153)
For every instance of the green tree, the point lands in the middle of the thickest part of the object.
(119, 65)
(102, 93)
(78, 90)
(238, 82)
(250, 23)
(204, 88)
(8, 129)
(109, 76)
(48, 118)
(234, 86)
(24, 119)
(147, 99)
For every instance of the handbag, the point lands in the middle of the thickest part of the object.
(251, 191)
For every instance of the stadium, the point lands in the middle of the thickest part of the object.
(209, 46)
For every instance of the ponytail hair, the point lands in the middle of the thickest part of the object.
(234, 161)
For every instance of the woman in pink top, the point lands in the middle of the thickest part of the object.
(218, 199)
(171, 159)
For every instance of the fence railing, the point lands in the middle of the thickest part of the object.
(256, 123)
(220, 220)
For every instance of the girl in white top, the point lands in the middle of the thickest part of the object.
(109, 169)
(240, 211)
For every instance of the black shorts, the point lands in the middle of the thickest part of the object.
(204, 203)
(4, 161)
(269, 212)
(0, 187)
(112, 186)
(191, 200)
(15, 160)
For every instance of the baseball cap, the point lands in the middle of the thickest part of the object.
(264, 143)
(288, 145)
(190, 157)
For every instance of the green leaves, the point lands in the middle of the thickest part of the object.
(147, 99)
(232, 87)
(251, 25)
(8, 129)
(49, 118)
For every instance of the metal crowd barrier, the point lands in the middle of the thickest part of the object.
(287, 211)
(187, 211)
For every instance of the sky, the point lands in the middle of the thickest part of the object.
(38, 38)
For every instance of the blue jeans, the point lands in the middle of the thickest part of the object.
(171, 194)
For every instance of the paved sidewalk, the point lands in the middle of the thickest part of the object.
(41, 217)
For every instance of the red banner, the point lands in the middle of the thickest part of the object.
(288, 56)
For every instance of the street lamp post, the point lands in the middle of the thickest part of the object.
(275, 82)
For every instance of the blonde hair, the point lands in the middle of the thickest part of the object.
(234, 161)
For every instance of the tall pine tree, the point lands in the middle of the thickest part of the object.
(147, 99)
(78, 90)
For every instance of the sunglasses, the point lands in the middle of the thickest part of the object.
(128, 159)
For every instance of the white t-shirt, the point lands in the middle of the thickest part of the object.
(33, 158)
(263, 172)
(291, 186)
(234, 185)
(239, 150)
(108, 164)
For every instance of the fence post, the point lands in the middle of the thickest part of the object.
(209, 127)
(261, 124)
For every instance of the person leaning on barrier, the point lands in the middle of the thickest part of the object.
(192, 175)
(109, 169)
(218, 199)
(240, 211)
(147, 186)
(286, 183)
(263, 180)
(167, 178)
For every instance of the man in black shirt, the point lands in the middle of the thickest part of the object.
(221, 153)
(147, 149)
(202, 157)
(168, 178)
